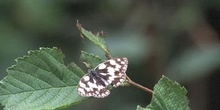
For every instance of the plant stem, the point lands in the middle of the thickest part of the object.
(138, 85)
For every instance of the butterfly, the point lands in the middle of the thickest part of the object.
(95, 82)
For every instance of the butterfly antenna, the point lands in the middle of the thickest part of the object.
(87, 65)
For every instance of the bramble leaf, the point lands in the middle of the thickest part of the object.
(168, 95)
(94, 39)
(90, 58)
(40, 80)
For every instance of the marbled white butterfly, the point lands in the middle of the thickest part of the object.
(94, 83)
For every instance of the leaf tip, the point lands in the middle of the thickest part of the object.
(79, 26)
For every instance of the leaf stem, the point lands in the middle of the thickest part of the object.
(138, 85)
(108, 55)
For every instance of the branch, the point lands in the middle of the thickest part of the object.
(138, 85)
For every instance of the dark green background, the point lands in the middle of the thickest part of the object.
(179, 39)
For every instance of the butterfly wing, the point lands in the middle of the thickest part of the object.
(113, 70)
(109, 72)
(88, 87)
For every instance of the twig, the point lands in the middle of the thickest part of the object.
(138, 85)
(108, 55)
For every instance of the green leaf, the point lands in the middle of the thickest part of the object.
(168, 95)
(140, 108)
(40, 80)
(95, 39)
(91, 59)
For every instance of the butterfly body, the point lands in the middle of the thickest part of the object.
(97, 78)
(94, 83)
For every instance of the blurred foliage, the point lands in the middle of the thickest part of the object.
(176, 38)
(195, 64)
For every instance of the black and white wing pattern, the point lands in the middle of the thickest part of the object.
(94, 83)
